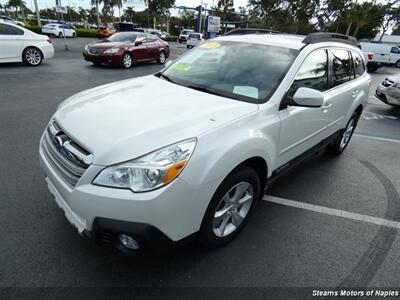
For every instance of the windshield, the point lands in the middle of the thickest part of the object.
(233, 69)
(123, 37)
(186, 31)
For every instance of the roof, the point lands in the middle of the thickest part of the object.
(287, 40)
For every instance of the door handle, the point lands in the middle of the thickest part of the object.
(326, 107)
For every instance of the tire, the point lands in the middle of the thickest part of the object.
(97, 64)
(127, 60)
(60, 35)
(187, 46)
(232, 213)
(74, 35)
(32, 57)
(372, 69)
(162, 58)
(344, 138)
(397, 64)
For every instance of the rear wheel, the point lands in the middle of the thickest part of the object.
(397, 64)
(162, 58)
(74, 35)
(343, 140)
(60, 35)
(32, 56)
(230, 207)
(127, 60)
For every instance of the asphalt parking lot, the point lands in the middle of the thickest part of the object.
(332, 222)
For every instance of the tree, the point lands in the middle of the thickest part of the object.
(96, 3)
(392, 16)
(158, 7)
(225, 8)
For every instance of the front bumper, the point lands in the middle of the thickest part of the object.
(102, 58)
(175, 211)
(389, 95)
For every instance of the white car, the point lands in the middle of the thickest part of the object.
(58, 30)
(190, 150)
(18, 44)
(184, 34)
(10, 20)
(194, 39)
(389, 90)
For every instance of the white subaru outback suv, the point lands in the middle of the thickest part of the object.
(190, 150)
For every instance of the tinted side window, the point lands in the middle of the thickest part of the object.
(151, 38)
(342, 67)
(313, 73)
(395, 50)
(358, 64)
(10, 30)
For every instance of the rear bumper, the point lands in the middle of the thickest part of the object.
(99, 59)
(48, 51)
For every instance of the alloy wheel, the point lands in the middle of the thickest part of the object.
(347, 133)
(233, 209)
(162, 57)
(33, 57)
(127, 60)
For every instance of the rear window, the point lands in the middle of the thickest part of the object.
(359, 67)
(342, 67)
(194, 35)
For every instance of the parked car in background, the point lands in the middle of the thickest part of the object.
(194, 39)
(126, 48)
(189, 151)
(184, 34)
(157, 33)
(58, 30)
(389, 90)
(18, 44)
(104, 32)
(381, 55)
(10, 20)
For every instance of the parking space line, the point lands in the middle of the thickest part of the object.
(376, 137)
(333, 212)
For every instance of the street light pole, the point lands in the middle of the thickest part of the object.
(37, 14)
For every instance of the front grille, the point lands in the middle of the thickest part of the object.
(387, 83)
(68, 159)
(95, 50)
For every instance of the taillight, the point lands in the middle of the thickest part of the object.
(49, 40)
(188, 38)
(370, 56)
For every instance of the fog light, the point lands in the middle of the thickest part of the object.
(128, 242)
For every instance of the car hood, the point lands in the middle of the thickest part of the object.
(127, 119)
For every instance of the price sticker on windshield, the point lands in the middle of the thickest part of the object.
(211, 45)
(181, 67)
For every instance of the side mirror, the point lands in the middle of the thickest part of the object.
(137, 43)
(308, 97)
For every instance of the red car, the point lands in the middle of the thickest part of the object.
(126, 48)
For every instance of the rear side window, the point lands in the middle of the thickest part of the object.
(10, 30)
(359, 67)
(395, 50)
(313, 73)
(342, 70)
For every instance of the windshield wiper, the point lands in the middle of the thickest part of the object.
(206, 90)
(167, 78)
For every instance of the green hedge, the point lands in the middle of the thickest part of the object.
(171, 38)
(34, 28)
(81, 32)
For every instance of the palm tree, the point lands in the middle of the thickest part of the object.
(96, 2)
(118, 4)
(17, 4)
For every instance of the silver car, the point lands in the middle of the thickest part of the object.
(389, 90)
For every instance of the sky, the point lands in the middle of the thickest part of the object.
(137, 4)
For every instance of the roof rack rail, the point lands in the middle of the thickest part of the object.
(243, 31)
(319, 37)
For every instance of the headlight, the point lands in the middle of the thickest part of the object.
(111, 50)
(148, 172)
(87, 48)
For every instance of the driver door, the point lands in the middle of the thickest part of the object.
(304, 127)
(11, 43)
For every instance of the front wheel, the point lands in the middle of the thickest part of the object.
(343, 140)
(397, 64)
(162, 58)
(127, 61)
(230, 207)
(32, 57)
